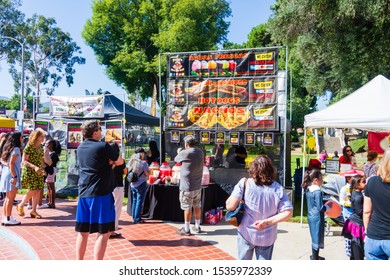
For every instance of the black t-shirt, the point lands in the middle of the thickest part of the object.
(118, 174)
(240, 150)
(379, 192)
(96, 177)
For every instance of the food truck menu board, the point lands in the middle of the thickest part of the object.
(235, 90)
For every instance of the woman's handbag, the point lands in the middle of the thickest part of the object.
(234, 217)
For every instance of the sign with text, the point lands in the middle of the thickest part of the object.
(41, 124)
(249, 138)
(268, 139)
(219, 91)
(332, 144)
(205, 137)
(80, 107)
(220, 137)
(74, 135)
(234, 138)
(332, 166)
(175, 136)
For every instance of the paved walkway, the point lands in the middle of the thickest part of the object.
(53, 238)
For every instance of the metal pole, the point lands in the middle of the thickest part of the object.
(285, 122)
(291, 96)
(22, 95)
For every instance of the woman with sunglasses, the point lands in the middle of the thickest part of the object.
(348, 156)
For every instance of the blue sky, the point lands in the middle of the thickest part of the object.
(71, 16)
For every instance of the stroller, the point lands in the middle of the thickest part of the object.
(331, 191)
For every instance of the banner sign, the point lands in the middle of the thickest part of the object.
(80, 107)
(236, 90)
(42, 124)
(74, 135)
(378, 141)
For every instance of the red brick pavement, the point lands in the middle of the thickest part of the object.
(54, 238)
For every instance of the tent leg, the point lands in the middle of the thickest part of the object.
(303, 170)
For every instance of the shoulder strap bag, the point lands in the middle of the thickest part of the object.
(234, 217)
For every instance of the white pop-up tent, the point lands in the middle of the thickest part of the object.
(367, 108)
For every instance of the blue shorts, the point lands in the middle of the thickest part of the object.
(96, 214)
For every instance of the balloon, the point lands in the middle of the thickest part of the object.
(334, 209)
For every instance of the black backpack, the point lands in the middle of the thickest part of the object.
(133, 176)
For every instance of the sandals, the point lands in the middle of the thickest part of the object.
(20, 210)
(35, 215)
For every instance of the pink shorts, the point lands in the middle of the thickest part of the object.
(51, 178)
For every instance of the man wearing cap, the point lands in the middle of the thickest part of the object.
(138, 189)
(191, 172)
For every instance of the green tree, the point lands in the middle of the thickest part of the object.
(340, 44)
(50, 55)
(10, 21)
(127, 36)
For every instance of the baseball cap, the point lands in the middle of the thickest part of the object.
(139, 150)
(352, 172)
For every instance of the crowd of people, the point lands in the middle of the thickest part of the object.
(364, 205)
(364, 198)
(28, 167)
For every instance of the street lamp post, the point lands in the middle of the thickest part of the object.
(21, 114)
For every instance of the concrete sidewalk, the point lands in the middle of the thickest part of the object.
(293, 241)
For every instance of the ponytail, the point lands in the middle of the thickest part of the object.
(310, 175)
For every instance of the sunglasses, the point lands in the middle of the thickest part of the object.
(348, 150)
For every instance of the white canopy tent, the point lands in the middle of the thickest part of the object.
(367, 108)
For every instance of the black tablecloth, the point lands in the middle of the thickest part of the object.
(162, 202)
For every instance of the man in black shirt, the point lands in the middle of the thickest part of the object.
(95, 209)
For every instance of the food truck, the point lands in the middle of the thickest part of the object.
(229, 97)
